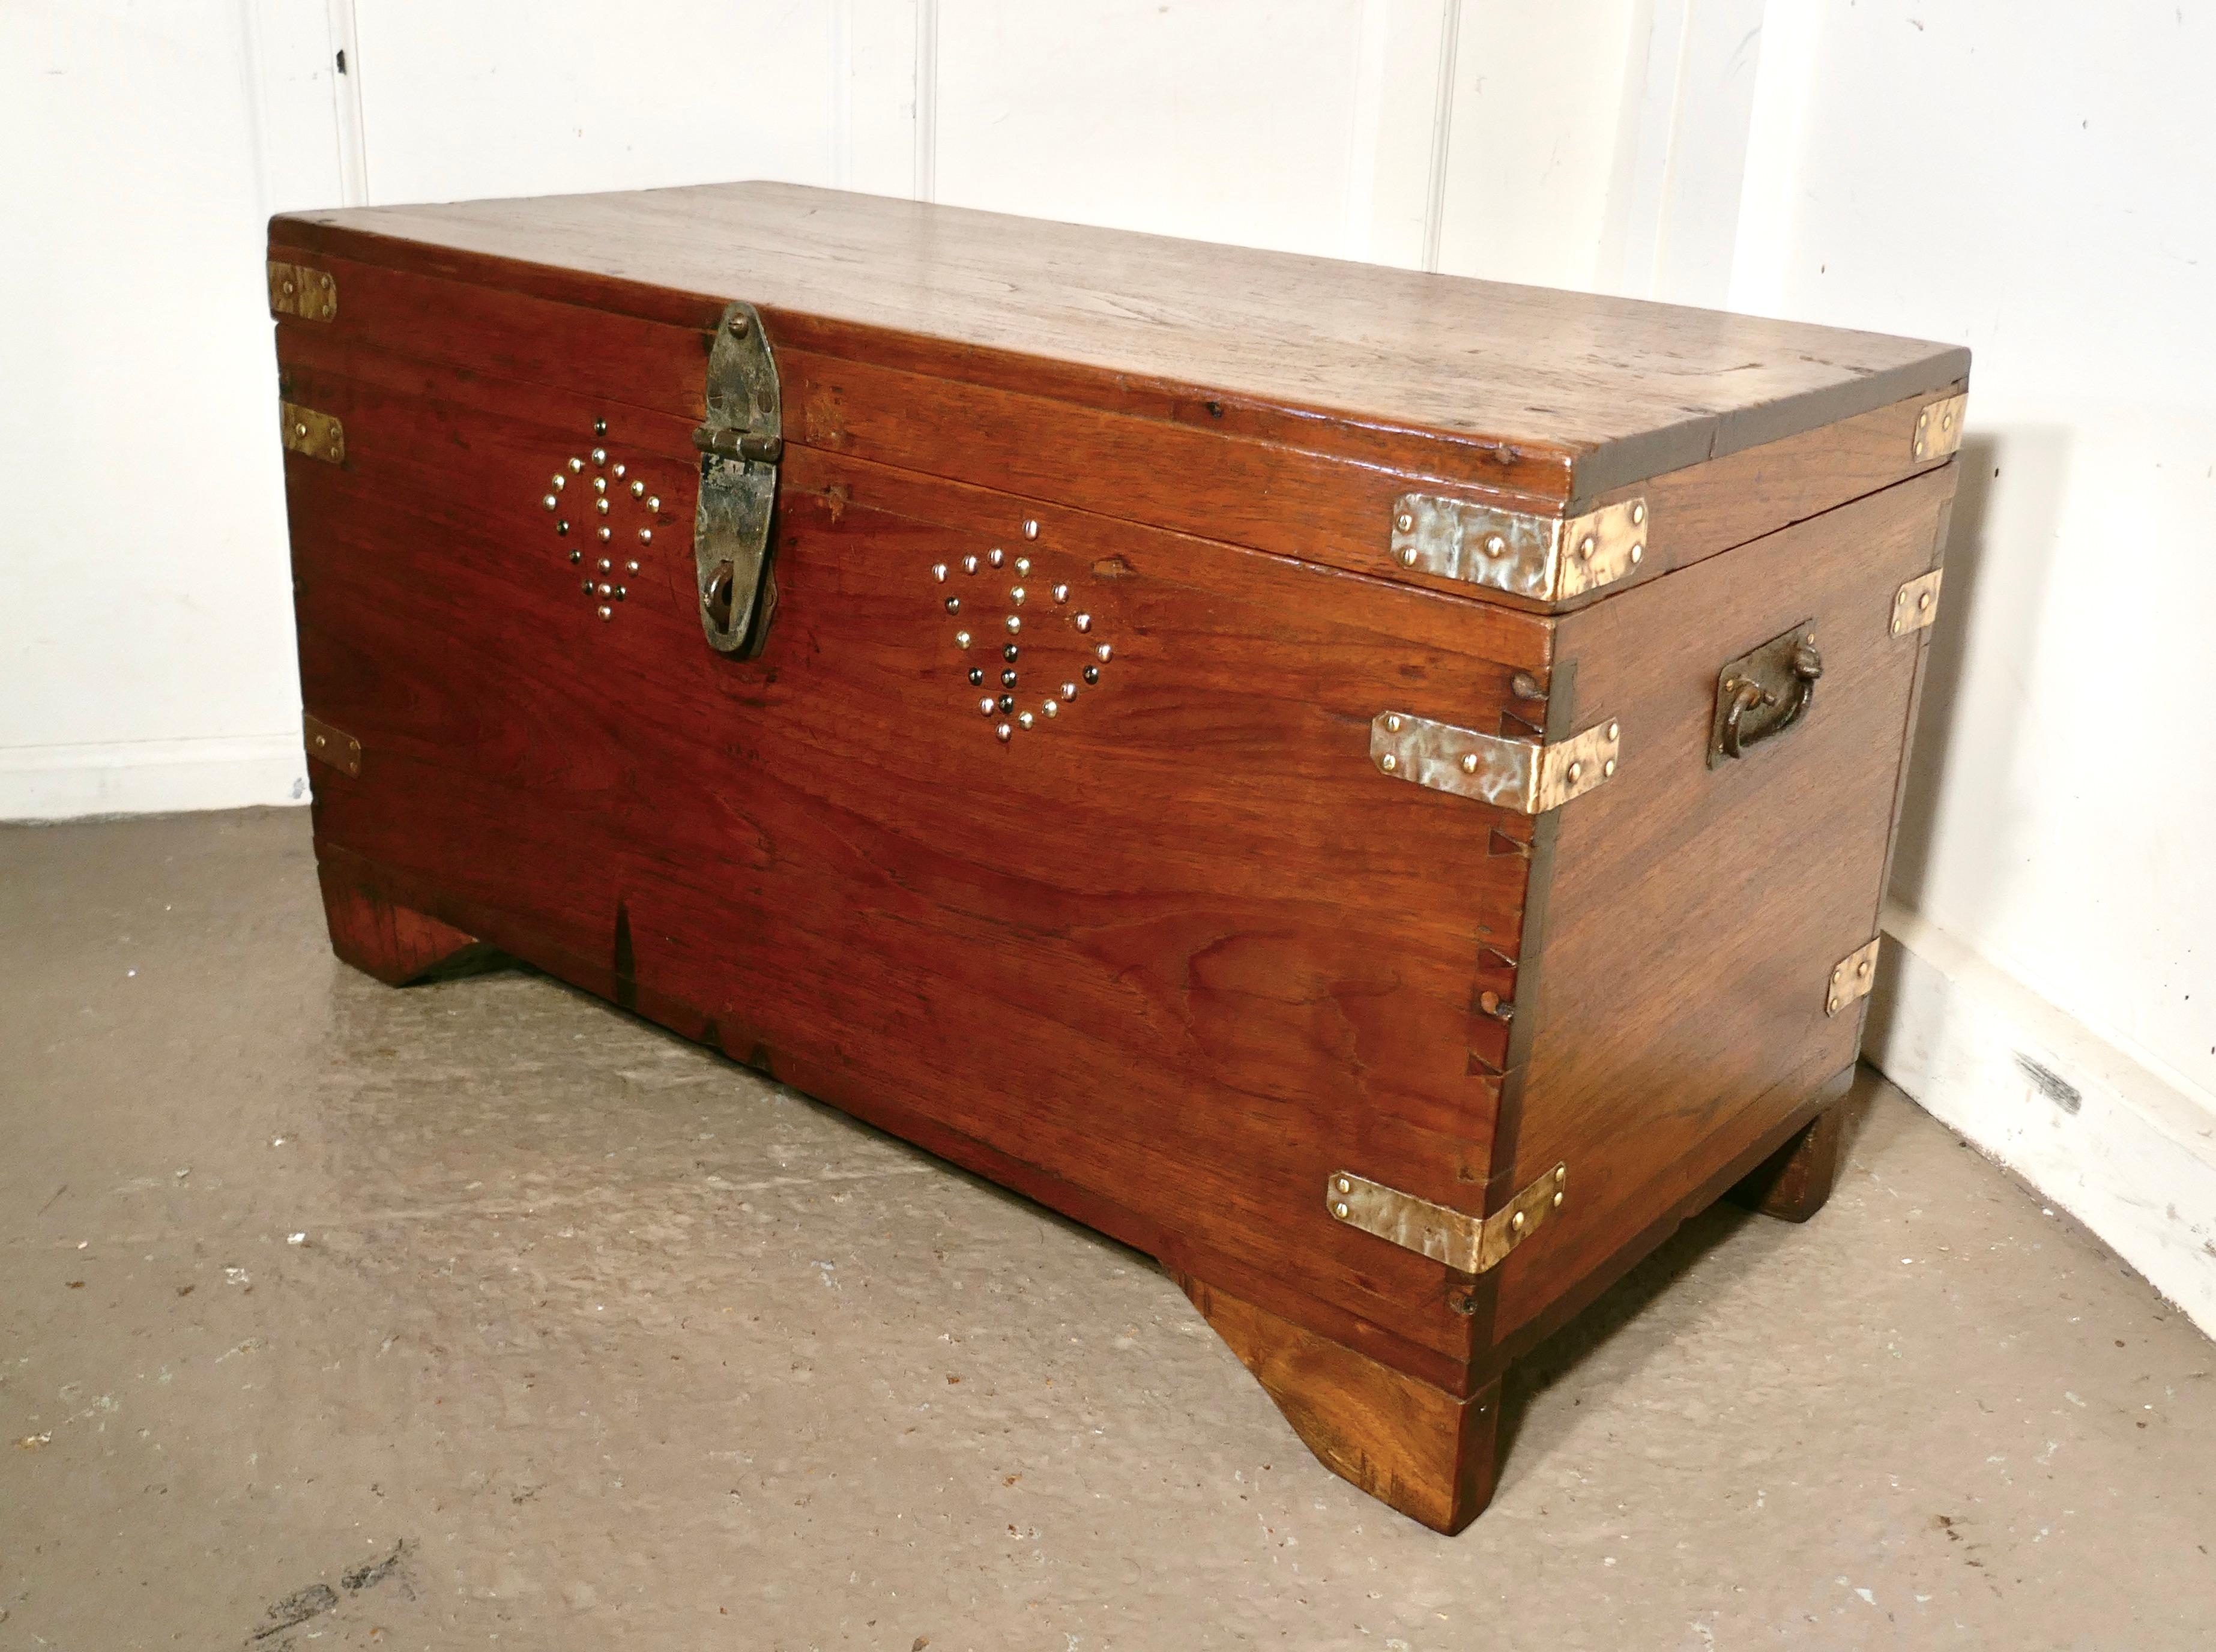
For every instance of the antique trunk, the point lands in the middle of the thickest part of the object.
(1372, 788)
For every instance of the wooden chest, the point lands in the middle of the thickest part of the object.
(1372, 788)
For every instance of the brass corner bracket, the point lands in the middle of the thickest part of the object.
(1939, 429)
(298, 290)
(1467, 1243)
(1916, 605)
(312, 434)
(1852, 977)
(1510, 774)
(333, 746)
(1547, 558)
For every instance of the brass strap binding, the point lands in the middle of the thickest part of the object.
(1467, 1243)
(1545, 557)
(1511, 774)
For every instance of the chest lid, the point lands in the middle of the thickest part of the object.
(1513, 444)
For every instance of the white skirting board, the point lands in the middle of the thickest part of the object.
(162, 776)
(2128, 1151)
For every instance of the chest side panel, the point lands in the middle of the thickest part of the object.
(1178, 946)
(1697, 913)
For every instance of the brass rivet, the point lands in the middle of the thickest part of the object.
(1470, 763)
(1831, 1004)
(1558, 1199)
(1608, 770)
(1637, 552)
(1404, 522)
(1586, 546)
(1924, 418)
(1924, 601)
(1344, 1185)
(1611, 731)
(1393, 723)
(1920, 447)
(1388, 763)
(321, 742)
(1577, 772)
(1516, 1223)
(1339, 1211)
(1408, 557)
(1946, 421)
(1562, 1173)
(1863, 969)
(1638, 511)
(738, 325)
(1495, 545)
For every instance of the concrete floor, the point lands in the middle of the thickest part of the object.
(479, 1314)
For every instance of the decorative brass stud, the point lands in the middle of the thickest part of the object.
(1052, 708)
(602, 506)
(599, 456)
(1083, 622)
(1023, 564)
(549, 501)
(1016, 594)
(1061, 593)
(606, 612)
(1103, 651)
(1015, 624)
(576, 464)
(619, 470)
(630, 567)
(1004, 731)
(600, 484)
(1031, 529)
(969, 564)
(962, 639)
(1024, 719)
(994, 556)
(637, 488)
(938, 572)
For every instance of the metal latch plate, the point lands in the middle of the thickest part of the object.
(740, 444)
(1544, 557)
(1852, 977)
(1467, 1243)
(1511, 774)
(1939, 429)
(316, 435)
(1916, 605)
(298, 290)
(332, 745)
